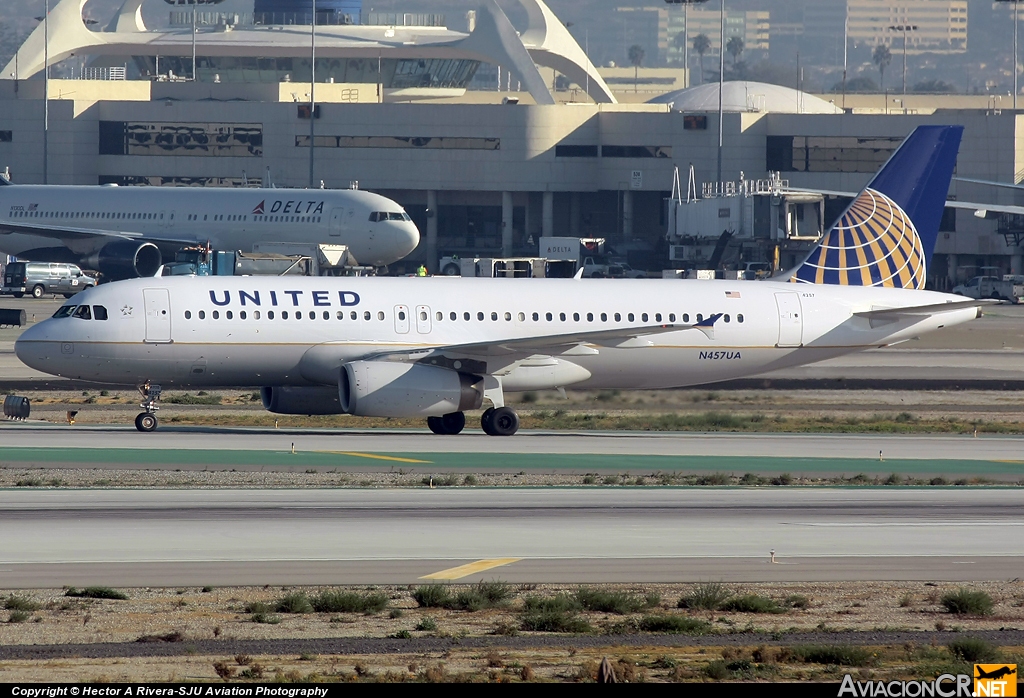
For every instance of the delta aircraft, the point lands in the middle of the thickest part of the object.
(437, 347)
(125, 232)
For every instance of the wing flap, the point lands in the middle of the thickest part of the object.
(62, 232)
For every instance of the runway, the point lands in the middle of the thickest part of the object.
(418, 451)
(359, 536)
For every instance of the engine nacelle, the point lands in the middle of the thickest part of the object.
(291, 400)
(125, 259)
(391, 389)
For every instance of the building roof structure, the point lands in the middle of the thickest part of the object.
(494, 40)
(747, 96)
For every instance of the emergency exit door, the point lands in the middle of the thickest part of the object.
(158, 314)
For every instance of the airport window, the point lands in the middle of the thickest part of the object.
(188, 139)
(216, 314)
(417, 142)
(270, 314)
(229, 315)
(83, 312)
(284, 315)
(828, 153)
(6, 136)
(380, 314)
(575, 151)
(188, 314)
(636, 151)
(202, 314)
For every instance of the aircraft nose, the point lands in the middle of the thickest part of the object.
(406, 237)
(30, 346)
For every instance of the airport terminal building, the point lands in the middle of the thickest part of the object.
(481, 171)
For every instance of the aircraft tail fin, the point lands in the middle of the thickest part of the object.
(887, 235)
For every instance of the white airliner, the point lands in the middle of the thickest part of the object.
(125, 231)
(437, 347)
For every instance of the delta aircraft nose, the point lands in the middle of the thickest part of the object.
(405, 236)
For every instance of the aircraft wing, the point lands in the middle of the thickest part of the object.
(622, 338)
(919, 310)
(61, 232)
(1004, 185)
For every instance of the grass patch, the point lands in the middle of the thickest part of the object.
(751, 603)
(673, 624)
(966, 602)
(620, 602)
(477, 597)
(199, 398)
(349, 602)
(432, 596)
(18, 616)
(96, 593)
(294, 603)
(20, 603)
(840, 655)
(265, 618)
(973, 649)
(427, 624)
(554, 622)
(706, 596)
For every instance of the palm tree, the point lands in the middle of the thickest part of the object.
(735, 47)
(636, 57)
(701, 44)
(881, 57)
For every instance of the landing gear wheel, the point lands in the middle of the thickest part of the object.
(502, 421)
(38, 291)
(448, 425)
(146, 422)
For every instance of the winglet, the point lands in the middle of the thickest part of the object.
(707, 325)
(578, 274)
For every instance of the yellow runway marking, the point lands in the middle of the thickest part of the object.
(471, 568)
(376, 456)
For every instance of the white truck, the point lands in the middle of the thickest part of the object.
(566, 255)
(1008, 288)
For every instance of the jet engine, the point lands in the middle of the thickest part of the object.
(292, 400)
(391, 389)
(125, 259)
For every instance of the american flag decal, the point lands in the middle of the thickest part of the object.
(732, 294)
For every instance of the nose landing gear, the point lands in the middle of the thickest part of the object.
(147, 421)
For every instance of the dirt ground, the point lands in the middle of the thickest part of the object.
(187, 622)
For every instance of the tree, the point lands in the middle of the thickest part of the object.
(701, 44)
(881, 57)
(864, 84)
(636, 57)
(735, 47)
(935, 85)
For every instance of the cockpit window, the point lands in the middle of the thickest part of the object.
(396, 216)
(375, 216)
(65, 310)
(389, 216)
(99, 312)
(83, 312)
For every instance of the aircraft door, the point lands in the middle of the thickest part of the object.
(337, 221)
(791, 321)
(158, 315)
(423, 319)
(402, 319)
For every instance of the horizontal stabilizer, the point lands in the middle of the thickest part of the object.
(919, 310)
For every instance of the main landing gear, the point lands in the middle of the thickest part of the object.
(495, 421)
(147, 421)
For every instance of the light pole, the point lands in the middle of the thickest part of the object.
(721, 85)
(904, 28)
(312, 88)
(1014, 50)
(46, 89)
